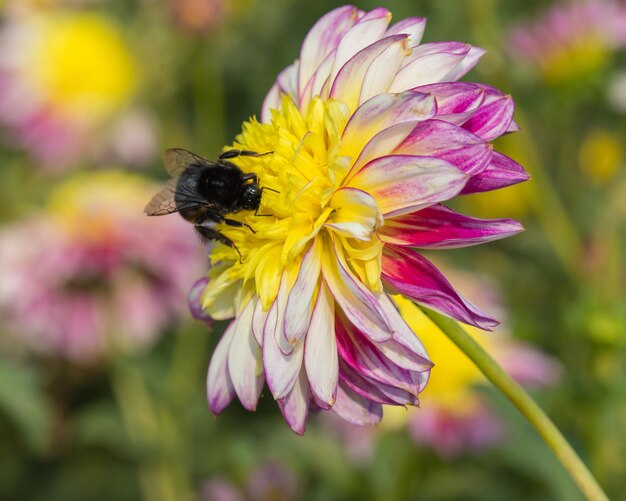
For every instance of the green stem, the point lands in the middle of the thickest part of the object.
(526, 405)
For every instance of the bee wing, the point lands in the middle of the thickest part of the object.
(176, 160)
(163, 202)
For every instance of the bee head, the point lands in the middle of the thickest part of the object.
(251, 197)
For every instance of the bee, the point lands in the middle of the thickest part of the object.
(205, 192)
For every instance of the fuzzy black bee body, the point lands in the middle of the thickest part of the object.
(205, 192)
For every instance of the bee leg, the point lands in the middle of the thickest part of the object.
(241, 153)
(237, 224)
(212, 234)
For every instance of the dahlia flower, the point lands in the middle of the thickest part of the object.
(369, 133)
(571, 40)
(90, 275)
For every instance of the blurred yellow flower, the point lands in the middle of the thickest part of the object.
(80, 63)
(600, 155)
(91, 206)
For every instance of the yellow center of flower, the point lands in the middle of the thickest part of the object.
(307, 170)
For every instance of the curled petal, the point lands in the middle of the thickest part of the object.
(405, 183)
(244, 360)
(194, 299)
(438, 227)
(355, 215)
(417, 278)
(320, 350)
(356, 409)
(468, 62)
(220, 389)
(501, 172)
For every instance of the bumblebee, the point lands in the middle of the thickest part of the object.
(205, 192)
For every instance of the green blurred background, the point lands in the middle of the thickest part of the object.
(92, 91)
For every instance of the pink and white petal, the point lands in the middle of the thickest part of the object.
(356, 214)
(370, 28)
(380, 73)
(502, 172)
(258, 322)
(282, 361)
(436, 138)
(381, 145)
(412, 26)
(281, 371)
(220, 389)
(366, 359)
(492, 120)
(430, 67)
(382, 112)
(320, 351)
(356, 409)
(438, 227)
(295, 406)
(317, 83)
(413, 276)
(194, 300)
(406, 183)
(470, 60)
(244, 360)
(299, 306)
(358, 303)
(323, 39)
(346, 86)
(456, 101)
(287, 81)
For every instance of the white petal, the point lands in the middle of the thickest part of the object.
(320, 350)
(220, 390)
(300, 302)
(295, 406)
(244, 360)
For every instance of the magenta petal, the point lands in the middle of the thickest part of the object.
(503, 171)
(367, 360)
(436, 138)
(220, 389)
(456, 101)
(493, 119)
(438, 227)
(374, 390)
(195, 306)
(356, 409)
(413, 276)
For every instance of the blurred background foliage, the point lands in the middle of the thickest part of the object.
(101, 367)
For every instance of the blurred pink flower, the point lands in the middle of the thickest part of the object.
(571, 39)
(92, 274)
(66, 81)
